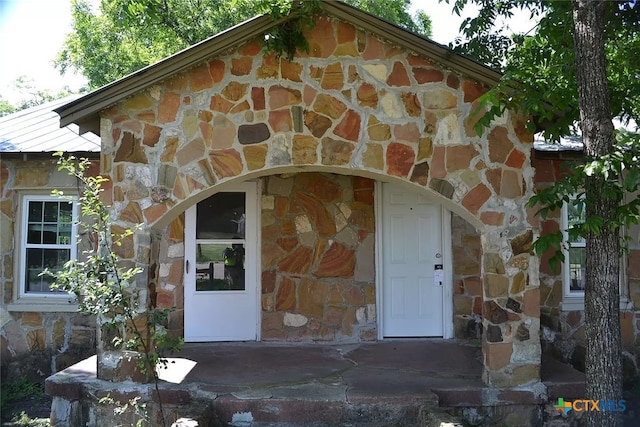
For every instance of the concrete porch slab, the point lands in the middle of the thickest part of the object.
(383, 382)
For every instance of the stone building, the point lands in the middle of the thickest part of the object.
(40, 331)
(342, 196)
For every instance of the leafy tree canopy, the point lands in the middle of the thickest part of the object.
(540, 78)
(30, 96)
(127, 35)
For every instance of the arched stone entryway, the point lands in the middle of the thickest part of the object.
(355, 105)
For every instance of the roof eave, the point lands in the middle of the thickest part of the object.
(85, 111)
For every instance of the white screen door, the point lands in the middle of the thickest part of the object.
(220, 289)
(411, 248)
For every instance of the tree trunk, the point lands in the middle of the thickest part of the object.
(602, 309)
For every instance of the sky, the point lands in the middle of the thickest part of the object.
(32, 33)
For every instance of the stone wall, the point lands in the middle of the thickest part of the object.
(354, 105)
(563, 332)
(318, 258)
(35, 339)
(468, 294)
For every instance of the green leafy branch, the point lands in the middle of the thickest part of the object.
(287, 38)
(619, 177)
(104, 286)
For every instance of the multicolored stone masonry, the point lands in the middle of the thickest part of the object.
(354, 105)
(318, 270)
(33, 341)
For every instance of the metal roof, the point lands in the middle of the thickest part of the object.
(37, 130)
(85, 110)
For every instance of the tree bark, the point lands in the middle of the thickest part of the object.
(602, 301)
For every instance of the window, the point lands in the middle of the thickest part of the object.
(574, 273)
(47, 240)
(220, 242)
(575, 252)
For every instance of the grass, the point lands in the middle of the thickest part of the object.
(19, 391)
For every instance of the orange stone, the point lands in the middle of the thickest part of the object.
(437, 169)
(500, 145)
(329, 106)
(243, 106)
(349, 127)
(297, 262)
(408, 132)
(492, 218)
(309, 95)
(304, 150)
(336, 152)
(312, 296)
(168, 108)
(154, 212)
(472, 90)
(497, 355)
(287, 243)
(255, 156)
(374, 49)
(333, 77)
(280, 96)
(257, 97)
(320, 187)
(200, 78)
(427, 75)
(148, 116)
(151, 135)
(511, 184)
(280, 121)
(453, 81)
(516, 159)
(398, 76)
(415, 60)
(475, 198)
(241, 66)
(337, 261)
(268, 68)
(226, 163)
(217, 70)
(459, 157)
(190, 152)
(321, 220)
(316, 123)
(218, 103)
(531, 303)
(368, 95)
(234, 91)
(411, 104)
(400, 159)
(291, 70)
(321, 39)
(286, 296)
(373, 157)
(346, 32)
(177, 83)
(251, 49)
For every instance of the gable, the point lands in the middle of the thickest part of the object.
(85, 110)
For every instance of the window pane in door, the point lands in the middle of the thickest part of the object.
(221, 216)
(220, 267)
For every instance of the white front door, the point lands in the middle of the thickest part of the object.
(221, 279)
(411, 252)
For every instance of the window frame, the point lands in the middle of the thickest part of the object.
(571, 300)
(574, 300)
(41, 301)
